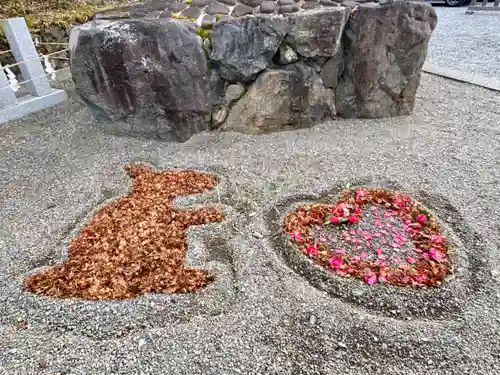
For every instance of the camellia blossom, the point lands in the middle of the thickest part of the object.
(352, 219)
(410, 259)
(335, 220)
(335, 262)
(312, 250)
(360, 193)
(399, 201)
(436, 254)
(438, 239)
(370, 278)
(422, 279)
(421, 218)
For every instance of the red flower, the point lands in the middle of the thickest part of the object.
(410, 259)
(438, 239)
(295, 236)
(352, 219)
(312, 250)
(422, 279)
(335, 262)
(399, 201)
(421, 218)
(357, 211)
(436, 254)
(370, 278)
(335, 220)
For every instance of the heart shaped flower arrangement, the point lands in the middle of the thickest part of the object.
(373, 234)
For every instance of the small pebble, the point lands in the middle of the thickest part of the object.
(252, 3)
(241, 10)
(288, 9)
(328, 3)
(312, 320)
(201, 3)
(310, 5)
(285, 2)
(268, 7)
(191, 12)
(216, 8)
(225, 17)
(207, 21)
(257, 235)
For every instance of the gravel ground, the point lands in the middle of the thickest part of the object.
(466, 42)
(261, 317)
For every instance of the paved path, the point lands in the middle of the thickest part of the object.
(466, 42)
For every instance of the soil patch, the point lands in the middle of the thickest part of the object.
(136, 244)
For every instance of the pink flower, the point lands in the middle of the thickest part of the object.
(335, 220)
(422, 279)
(409, 259)
(296, 236)
(357, 211)
(335, 262)
(370, 278)
(399, 201)
(377, 234)
(363, 255)
(360, 193)
(340, 251)
(436, 254)
(438, 239)
(312, 251)
(394, 259)
(382, 279)
(379, 252)
(390, 213)
(352, 219)
(421, 218)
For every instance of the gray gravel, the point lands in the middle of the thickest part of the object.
(262, 317)
(466, 42)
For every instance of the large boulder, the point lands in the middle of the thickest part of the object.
(244, 47)
(317, 32)
(385, 48)
(290, 97)
(145, 77)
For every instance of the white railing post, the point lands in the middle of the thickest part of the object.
(7, 95)
(24, 51)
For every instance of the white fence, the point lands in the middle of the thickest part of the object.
(35, 79)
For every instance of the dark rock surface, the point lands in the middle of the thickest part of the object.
(317, 32)
(244, 47)
(383, 57)
(281, 99)
(151, 75)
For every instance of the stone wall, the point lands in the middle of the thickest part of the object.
(252, 66)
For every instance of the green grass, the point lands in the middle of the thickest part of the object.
(43, 15)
